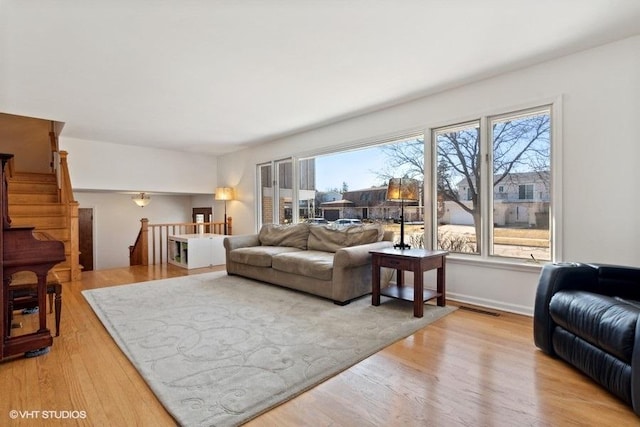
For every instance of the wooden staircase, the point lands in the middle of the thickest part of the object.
(34, 200)
(39, 191)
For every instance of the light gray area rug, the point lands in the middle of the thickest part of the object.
(219, 350)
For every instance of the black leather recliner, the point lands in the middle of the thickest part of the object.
(589, 316)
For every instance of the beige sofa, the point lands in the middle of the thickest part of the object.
(331, 263)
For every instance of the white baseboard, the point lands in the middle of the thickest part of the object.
(487, 303)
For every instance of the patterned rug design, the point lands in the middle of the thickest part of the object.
(219, 350)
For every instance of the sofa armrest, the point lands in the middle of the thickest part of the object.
(553, 278)
(241, 241)
(355, 256)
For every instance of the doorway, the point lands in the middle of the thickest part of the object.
(207, 214)
(85, 237)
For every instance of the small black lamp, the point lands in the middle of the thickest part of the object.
(402, 190)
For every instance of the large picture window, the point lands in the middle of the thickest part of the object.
(494, 194)
(348, 187)
(489, 186)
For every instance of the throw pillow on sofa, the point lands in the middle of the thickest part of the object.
(330, 239)
(295, 235)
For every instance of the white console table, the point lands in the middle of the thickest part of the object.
(196, 250)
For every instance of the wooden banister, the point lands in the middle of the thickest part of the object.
(10, 168)
(67, 198)
(66, 190)
(53, 139)
(151, 244)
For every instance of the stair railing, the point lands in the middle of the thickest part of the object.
(66, 198)
(60, 167)
(152, 243)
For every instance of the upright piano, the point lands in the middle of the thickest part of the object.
(22, 251)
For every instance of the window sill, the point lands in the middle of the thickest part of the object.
(495, 263)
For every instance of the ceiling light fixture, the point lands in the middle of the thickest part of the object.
(141, 200)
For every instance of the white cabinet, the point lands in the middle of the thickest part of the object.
(218, 254)
(196, 250)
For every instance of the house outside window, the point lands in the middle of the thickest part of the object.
(498, 176)
(489, 185)
(347, 184)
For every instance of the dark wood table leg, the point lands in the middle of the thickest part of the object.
(442, 299)
(42, 301)
(400, 278)
(375, 281)
(58, 304)
(418, 292)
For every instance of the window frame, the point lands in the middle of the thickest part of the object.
(407, 134)
(276, 189)
(523, 191)
(486, 153)
(430, 202)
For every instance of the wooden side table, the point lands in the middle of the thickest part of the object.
(416, 260)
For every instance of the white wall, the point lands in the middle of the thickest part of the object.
(600, 90)
(105, 166)
(102, 173)
(116, 222)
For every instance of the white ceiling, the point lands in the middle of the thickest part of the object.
(215, 76)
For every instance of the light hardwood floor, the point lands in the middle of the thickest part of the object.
(467, 369)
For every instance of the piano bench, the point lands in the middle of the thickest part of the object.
(23, 294)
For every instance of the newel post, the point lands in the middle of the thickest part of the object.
(144, 241)
(74, 243)
(66, 190)
(229, 226)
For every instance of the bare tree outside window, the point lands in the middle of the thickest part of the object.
(403, 160)
(505, 214)
(458, 186)
(520, 152)
(520, 226)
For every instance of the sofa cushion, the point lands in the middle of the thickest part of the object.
(606, 369)
(259, 256)
(294, 235)
(328, 239)
(316, 264)
(606, 322)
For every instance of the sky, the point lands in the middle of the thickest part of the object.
(357, 168)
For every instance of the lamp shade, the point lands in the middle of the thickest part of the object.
(224, 193)
(141, 200)
(403, 190)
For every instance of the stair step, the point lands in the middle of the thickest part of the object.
(31, 199)
(32, 187)
(40, 209)
(43, 223)
(63, 273)
(62, 234)
(32, 177)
